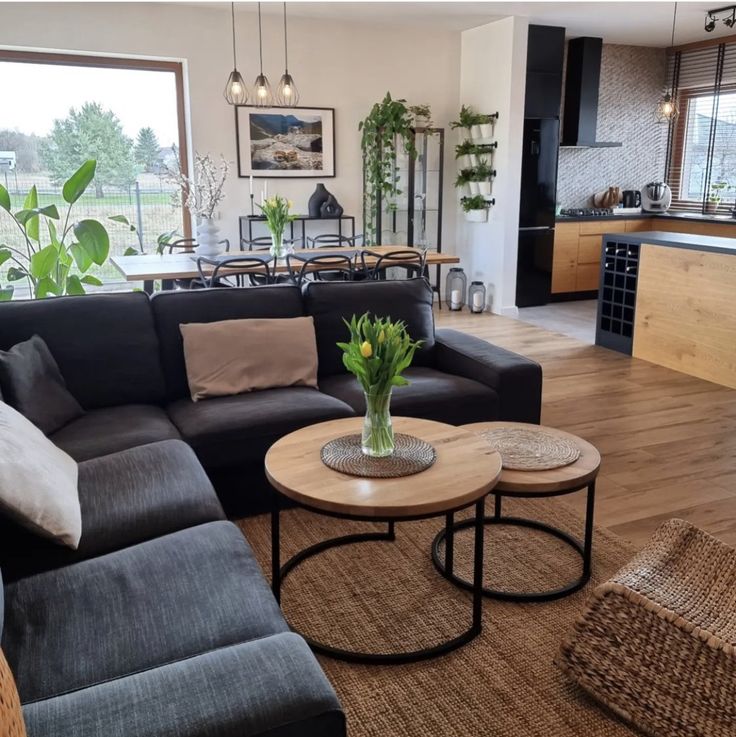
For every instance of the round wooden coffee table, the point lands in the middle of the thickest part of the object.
(465, 471)
(532, 484)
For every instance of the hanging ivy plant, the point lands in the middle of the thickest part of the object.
(388, 125)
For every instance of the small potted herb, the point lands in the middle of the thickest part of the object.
(475, 208)
(483, 125)
(717, 190)
(481, 176)
(463, 181)
(467, 152)
(422, 115)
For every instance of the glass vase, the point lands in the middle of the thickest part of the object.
(277, 245)
(378, 434)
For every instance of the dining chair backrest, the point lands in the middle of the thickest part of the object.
(187, 245)
(412, 260)
(262, 243)
(322, 267)
(330, 239)
(256, 269)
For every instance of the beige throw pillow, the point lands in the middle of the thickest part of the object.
(38, 481)
(238, 356)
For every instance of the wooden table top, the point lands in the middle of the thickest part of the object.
(466, 469)
(572, 476)
(150, 266)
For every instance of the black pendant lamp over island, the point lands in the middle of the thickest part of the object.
(286, 93)
(262, 96)
(235, 90)
(667, 107)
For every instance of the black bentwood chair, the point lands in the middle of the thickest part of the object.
(321, 267)
(255, 269)
(262, 243)
(327, 240)
(411, 260)
(187, 245)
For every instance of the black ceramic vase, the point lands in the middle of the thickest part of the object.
(331, 208)
(318, 198)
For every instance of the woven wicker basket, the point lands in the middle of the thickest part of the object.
(656, 643)
(11, 714)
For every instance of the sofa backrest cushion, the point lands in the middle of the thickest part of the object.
(171, 309)
(328, 303)
(105, 344)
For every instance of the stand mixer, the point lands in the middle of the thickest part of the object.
(656, 197)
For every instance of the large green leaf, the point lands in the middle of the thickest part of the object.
(16, 274)
(78, 182)
(93, 238)
(74, 285)
(31, 203)
(5, 254)
(6, 294)
(4, 198)
(93, 280)
(122, 219)
(44, 261)
(23, 216)
(81, 257)
(47, 286)
(130, 251)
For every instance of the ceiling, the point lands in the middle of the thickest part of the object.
(636, 23)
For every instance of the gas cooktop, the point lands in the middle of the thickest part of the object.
(586, 212)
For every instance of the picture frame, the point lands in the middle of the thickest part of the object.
(285, 142)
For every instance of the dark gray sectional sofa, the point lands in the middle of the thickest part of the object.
(161, 623)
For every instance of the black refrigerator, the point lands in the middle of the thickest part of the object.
(537, 211)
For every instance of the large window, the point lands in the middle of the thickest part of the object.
(58, 110)
(702, 158)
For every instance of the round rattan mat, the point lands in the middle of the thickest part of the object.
(526, 449)
(411, 455)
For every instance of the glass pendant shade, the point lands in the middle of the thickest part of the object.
(667, 109)
(262, 94)
(286, 93)
(235, 89)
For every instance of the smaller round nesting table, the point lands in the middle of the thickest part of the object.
(464, 471)
(579, 475)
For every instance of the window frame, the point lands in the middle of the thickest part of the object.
(122, 62)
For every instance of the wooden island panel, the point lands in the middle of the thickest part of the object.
(685, 317)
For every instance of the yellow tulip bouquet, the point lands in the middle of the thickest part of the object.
(378, 352)
(276, 211)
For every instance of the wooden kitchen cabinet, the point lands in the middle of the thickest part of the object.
(589, 249)
(565, 258)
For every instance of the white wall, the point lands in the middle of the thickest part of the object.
(492, 78)
(347, 66)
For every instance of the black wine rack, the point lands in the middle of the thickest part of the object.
(617, 293)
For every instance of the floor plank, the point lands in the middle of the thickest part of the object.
(668, 440)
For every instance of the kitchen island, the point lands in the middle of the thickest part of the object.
(668, 298)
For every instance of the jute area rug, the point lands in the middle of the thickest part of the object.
(383, 596)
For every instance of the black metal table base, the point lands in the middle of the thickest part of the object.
(445, 564)
(280, 572)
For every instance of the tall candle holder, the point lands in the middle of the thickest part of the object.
(252, 207)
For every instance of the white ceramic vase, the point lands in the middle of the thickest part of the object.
(208, 235)
(477, 216)
(484, 188)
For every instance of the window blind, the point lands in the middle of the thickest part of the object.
(701, 158)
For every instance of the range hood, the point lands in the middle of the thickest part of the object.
(582, 83)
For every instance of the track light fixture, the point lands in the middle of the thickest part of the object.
(726, 15)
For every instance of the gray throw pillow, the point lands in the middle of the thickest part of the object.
(32, 384)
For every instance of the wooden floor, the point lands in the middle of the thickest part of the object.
(668, 440)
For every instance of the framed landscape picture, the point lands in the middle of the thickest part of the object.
(285, 142)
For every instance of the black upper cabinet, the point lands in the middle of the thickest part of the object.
(545, 55)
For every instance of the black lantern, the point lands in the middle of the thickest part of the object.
(477, 297)
(455, 288)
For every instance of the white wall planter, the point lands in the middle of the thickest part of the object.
(476, 133)
(486, 130)
(484, 188)
(477, 216)
(474, 188)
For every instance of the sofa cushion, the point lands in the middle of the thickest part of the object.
(227, 431)
(171, 309)
(125, 498)
(166, 599)
(271, 687)
(105, 344)
(409, 300)
(38, 481)
(431, 395)
(34, 385)
(238, 356)
(113, 429)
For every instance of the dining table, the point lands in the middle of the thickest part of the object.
(168, 268)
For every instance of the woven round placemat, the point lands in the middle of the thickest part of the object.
(411, 455)
(526, 449)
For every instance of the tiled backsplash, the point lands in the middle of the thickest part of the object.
(632, 80)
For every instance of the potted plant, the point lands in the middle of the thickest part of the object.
(387, 128)
(481, 176)
(483, 125)
(276, 211)
(475, 208)
(467, 152)
(378, 352)
(463, 180)
(201, 194)
(422, 115)
(71, 247)
(717, 190)
(485, 150)
(465, 119)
